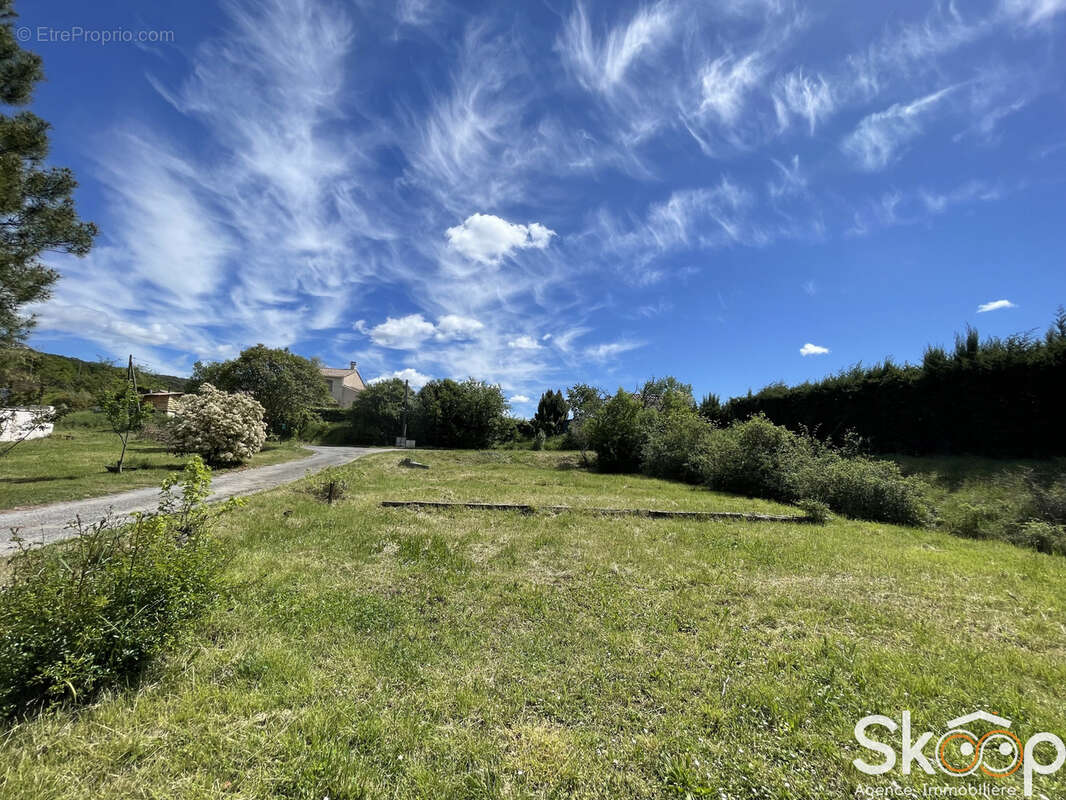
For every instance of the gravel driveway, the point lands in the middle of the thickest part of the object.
(49, 523)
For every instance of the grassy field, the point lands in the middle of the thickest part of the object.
(70, 464)
(369, 652)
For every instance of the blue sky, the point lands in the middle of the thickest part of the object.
(545, 192)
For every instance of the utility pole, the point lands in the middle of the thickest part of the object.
(406, 389)
(131, 373)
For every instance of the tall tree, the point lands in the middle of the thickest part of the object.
(288, 386)
(378, 412)
(469, 414)
(37, 213)
(551, 413)
(584, 401)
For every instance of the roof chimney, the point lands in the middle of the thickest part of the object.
(351, 365)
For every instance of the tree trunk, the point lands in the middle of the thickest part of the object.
(122, 455)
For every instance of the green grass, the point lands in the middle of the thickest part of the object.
(70, 464)
(369, 652)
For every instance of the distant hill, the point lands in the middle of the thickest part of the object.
(77, 383)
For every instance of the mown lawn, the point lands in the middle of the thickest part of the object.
(369, 652)
(70, 464)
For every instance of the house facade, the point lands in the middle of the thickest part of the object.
(344, 384)
(163, 402)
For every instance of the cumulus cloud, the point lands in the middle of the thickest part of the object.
(453, 326)
(413, 376)
(813, 350)
(401, 333)
(524, 343)
(519, 398)
(995, 305)
(407, 333)
(488, 239)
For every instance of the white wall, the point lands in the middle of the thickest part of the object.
(15, 422)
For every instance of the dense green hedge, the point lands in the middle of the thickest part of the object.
(999, 397)
(663, 436)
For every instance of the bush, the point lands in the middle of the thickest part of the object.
(1039, 535)
(869, 489)
(329, 485)
(1014, 507)
(223, 428)
(539, 440)
(673, 446)
(90, 613)
(814, 510)
(616, 432)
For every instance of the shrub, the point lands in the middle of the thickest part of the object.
(329, 485)
(1015, 507)
(83, 615)
(1039, 535)
(223, 428)
(674, 444)
(617, 434)
(539, 440)
(869, 489)
(814, 510)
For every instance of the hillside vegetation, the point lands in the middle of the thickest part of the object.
(55, 379)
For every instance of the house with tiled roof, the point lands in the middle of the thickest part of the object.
(344, 384)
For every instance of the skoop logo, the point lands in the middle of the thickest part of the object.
(997, 753)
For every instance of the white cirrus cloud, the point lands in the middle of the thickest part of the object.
(798, 94)
(488, 239)
(995, 305)
(412, 376)
(518, 398)
(608, 350)
(524, 343)
(813, 350)
(1033, 12)
(725, 83)
(602, 65)
(878, 138)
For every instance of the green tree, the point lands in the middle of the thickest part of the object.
(663, 393)
(711, 408)
(584, 401)
(37, 213)
(551, 413)
(127, 414)
(288, 386)
(616, 432)
(462, 415)
(377, 413)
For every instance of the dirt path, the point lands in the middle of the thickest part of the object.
(49, 523)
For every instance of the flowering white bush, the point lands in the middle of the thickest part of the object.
(224, 428)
